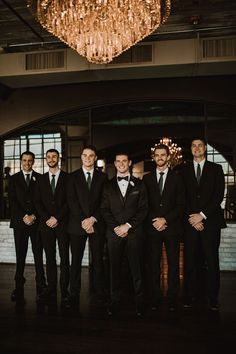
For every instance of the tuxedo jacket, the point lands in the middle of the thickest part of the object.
(118, 210)
(83, 202)
(52, 204)
(170, 204)
(206, 196)
(21, 199)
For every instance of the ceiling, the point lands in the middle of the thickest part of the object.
(19, 32)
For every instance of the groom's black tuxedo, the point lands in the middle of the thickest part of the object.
(21, 197)
(118, 210)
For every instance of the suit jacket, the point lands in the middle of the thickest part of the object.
(21, 199)
(169, 205)
(49, 204)
(132, 208)
(83, 202)
(207, 196)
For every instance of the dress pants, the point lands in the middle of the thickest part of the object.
(96, 245)
(21, 238)
(171, 242)
(210, 242)
(117, 248)
(50, 238)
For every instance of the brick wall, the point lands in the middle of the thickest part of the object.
(227, 248)
(7, 248)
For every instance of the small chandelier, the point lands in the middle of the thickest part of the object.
(175, 152)
(100, 29)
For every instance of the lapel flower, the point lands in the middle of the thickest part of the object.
(33, 178)
(131, 183)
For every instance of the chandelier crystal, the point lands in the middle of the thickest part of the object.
(100, 29)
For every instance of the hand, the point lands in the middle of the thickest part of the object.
(122, 230)
(29, 219)
(52, 222)
(90, 231)
(195, 219)
(159, 224)
(199, 226)
(87, 223)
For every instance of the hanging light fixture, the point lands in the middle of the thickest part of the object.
(100, 29)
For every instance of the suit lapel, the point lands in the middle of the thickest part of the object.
(117, 190)
(23, 181)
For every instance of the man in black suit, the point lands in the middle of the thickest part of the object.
(124, 207)
(84, 198)
(52, 208)
(204, 184)
(164, 224)
(24, 221)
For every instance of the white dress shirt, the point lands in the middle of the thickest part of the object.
(164, 176)
(56, 176)
(123, 184)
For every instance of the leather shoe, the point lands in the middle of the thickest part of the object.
(112, 309)
(65, 302)
(172, 306)
(139, 310)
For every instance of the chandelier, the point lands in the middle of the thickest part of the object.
(100, 29)
(175, 151)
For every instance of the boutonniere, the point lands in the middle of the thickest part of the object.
(34, 178)
(131, 183)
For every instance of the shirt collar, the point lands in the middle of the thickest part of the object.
(55, 174)
(85, 172)
(165, 171)
(200, 163)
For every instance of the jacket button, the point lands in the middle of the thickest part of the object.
(161, 205)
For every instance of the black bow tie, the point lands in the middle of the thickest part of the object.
(120, 178)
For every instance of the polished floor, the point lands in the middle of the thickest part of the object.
(54, 331)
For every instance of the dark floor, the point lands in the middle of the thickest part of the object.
(196, 331)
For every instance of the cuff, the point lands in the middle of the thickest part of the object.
(203, 215)
(128, 225)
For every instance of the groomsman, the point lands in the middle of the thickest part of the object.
(166, 205)
(204, 184)
(52, 208)
(85, 222)
(124, 207)
(24, 221)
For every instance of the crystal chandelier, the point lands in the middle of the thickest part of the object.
(175, 151)
(100, 29)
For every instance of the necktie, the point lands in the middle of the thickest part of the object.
(126, 178)
(27, 179)
(89, 180)
(53, 184)
(160, 182)
(198, 173)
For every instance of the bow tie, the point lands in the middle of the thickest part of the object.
(126, 178)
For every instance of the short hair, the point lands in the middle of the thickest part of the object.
(125, 153)
(90, 147)
(199, 138)
(53, 150)
(27, 152)
(162, 147)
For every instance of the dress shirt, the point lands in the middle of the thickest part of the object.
(123, 184)
(86, 175)
(27, 173)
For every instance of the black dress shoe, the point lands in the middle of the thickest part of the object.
(214, 305)
(172, 306)
(139, 310)
(13, 295)
(65, 302)
(112, 309)
(188, 303)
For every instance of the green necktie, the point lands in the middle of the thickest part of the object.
(53, 184)
(161, 182)
(27, 179)
(89, 180)
(198, 173)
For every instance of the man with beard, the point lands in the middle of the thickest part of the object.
(166, 205)
(52, 208)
